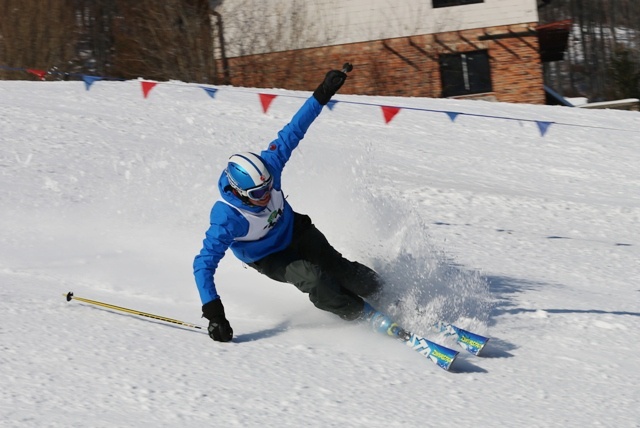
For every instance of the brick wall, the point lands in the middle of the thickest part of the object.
(406, 66)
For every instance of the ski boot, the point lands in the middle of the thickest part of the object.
(381, 323)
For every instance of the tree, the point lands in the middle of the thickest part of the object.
(164, 40)
(37, 34)
(171, 39)
(625, 73)
(600, 28)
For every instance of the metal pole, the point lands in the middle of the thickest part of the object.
(70, 296)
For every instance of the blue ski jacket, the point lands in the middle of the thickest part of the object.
(228, 225)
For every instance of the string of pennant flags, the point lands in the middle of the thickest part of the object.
(266, 99)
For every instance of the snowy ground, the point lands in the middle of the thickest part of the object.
(532, 240)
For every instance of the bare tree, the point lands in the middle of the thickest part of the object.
(602, 31)
(171, 39)
(37, 34)
(94, 52)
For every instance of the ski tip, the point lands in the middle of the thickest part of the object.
(449, 364)
(69, 296)
(444, 358)
(476, 351)
(471, 342)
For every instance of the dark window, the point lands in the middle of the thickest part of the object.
(447, 3)
(465, 73)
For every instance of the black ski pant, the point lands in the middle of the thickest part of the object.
(333, 283)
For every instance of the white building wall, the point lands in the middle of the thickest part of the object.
(259, 26)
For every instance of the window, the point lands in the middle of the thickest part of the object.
(447, 3)
(465, 73)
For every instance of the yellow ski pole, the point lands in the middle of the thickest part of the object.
(70, 296)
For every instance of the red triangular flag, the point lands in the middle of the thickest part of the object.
(39, 73)
(389, 113)
(265, 100)
(146, 87)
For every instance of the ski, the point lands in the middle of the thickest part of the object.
(469, 341)
(440, 355)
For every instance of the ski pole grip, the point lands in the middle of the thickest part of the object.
(347, 67)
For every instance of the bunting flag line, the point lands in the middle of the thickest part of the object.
(4, 67)
(388, 112)
(266, 100)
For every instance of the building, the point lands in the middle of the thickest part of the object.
(478, 49)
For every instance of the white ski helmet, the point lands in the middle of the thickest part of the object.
(249, 175)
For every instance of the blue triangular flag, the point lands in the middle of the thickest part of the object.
(210, 91)
(543, 127)
(88, 80)
(452, 115)
(331, 104)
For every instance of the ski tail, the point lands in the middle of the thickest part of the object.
(440, 355)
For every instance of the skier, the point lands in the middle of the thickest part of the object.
(254, 219)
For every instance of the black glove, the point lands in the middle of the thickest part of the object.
(219, 328)
(328, 88)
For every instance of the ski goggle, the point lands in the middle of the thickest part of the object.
(258, 193)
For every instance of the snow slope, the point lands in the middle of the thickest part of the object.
(532, 240)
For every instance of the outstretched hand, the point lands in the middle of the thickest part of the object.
(332, 82)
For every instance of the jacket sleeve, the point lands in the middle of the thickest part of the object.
(280, 149)
(225, 225)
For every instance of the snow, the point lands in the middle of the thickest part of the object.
(531, 240)
(577, 101)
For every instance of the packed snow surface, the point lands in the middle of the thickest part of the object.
(530, 239)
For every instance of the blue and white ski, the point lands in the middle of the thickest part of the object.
(471, 342)
(440, 355)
